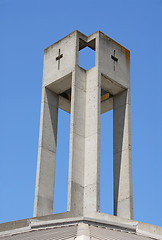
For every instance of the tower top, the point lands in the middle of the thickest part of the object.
(87, 38)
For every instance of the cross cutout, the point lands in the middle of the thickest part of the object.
(114, 58)
(58, 59)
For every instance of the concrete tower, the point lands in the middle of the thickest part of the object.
(85, 95)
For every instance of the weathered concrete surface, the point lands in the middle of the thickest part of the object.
(44, 190)
(56, 79)
(123, 196)
(60, 74)
(92, 142)
(77, 143)
(134, 229)
(83, 186)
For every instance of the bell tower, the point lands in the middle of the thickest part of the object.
(85, 94)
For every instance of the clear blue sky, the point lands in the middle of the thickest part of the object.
(26, 28)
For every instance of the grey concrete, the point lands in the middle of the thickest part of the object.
(44, 190)
(61, 73)
(92, 143)
(115, 78)
(123, 196)
(77, 143)
(134, 229)
(83, 186)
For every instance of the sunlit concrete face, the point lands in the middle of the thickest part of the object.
(85, 94)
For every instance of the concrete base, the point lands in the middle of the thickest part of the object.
(101, 221)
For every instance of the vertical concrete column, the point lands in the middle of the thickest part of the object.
(44, 191)
(77, 142)
(123, 201)
(92, 143)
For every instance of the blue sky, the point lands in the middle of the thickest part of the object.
(27, 27)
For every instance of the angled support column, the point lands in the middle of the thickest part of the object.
(123, 200)
(44, 190)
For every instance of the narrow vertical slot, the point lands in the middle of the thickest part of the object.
(62, 162)
(106, 156)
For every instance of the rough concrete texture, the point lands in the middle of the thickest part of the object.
(61, 73)
(122, 163)
(79, 228)
(44, 189)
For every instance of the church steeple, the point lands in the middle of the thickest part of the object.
(85, 94)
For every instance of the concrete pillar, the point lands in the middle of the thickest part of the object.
(77, 143)
(44, 190)
(123, 200)
(92, 143)
(84, 160)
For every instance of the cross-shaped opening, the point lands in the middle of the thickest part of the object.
(115, 59)
(60, 55)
